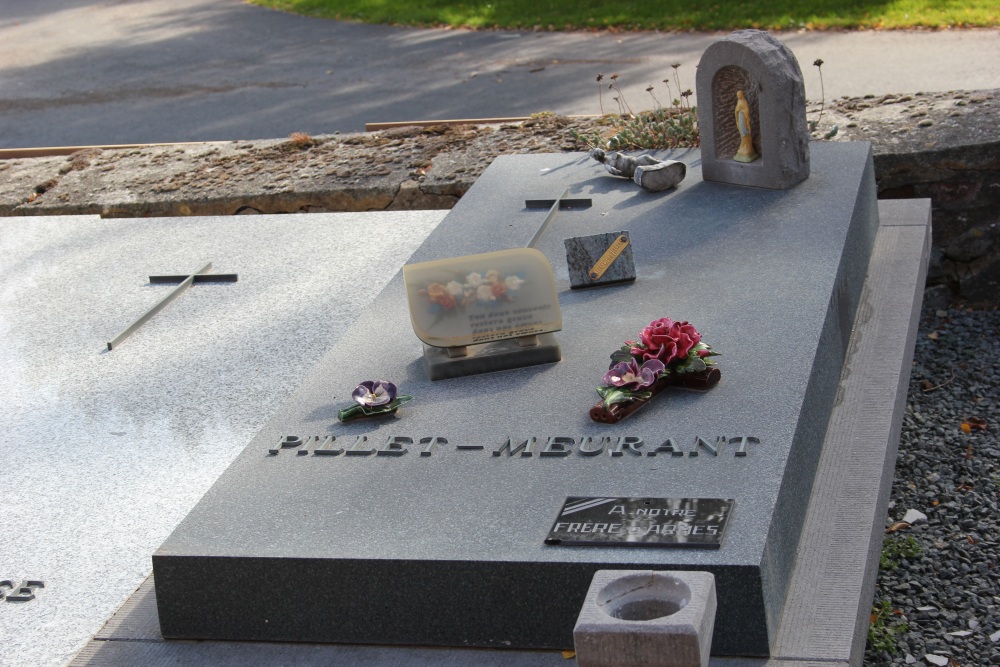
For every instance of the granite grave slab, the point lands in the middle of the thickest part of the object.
(105, 452)
(429, 528)
(826, 610)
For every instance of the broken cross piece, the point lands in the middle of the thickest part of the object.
(648, 173)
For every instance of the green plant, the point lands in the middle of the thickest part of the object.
(662, 127)
(883, 631)
(895, 548)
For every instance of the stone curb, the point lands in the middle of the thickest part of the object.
(409, 168)
(945, 146)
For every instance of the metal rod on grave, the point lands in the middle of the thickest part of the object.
(548, 218)
(554, 206)
(158, 307)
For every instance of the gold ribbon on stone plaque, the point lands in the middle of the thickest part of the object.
(609, 256)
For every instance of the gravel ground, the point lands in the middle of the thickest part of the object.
(941, 580)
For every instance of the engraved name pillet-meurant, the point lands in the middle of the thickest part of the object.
(552, 446)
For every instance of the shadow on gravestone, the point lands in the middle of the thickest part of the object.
(752, 112)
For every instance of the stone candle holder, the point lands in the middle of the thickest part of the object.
(633, 618)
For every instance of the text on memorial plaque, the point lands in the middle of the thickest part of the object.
(518, 448)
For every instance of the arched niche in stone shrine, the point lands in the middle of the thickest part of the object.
(752, 112)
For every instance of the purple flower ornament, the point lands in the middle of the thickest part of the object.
(629, 375)
(373, 398)
(372, 393)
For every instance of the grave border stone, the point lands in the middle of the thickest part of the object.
(839, 550)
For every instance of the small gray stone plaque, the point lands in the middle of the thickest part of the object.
(601, 259)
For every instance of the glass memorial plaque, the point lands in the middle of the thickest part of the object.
(477, 299)
(657, 522)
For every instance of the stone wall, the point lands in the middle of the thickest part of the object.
(945, 146)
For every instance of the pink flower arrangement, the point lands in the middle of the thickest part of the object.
(665, 340)
(664, 347)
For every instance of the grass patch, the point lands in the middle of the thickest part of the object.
(655, 15)
(896, 548)
(884, 630)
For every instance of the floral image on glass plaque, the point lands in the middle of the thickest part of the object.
(483, 298)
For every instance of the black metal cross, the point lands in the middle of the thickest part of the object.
(554, 205)
(202, 275)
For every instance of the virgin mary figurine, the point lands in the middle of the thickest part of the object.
(746, 153)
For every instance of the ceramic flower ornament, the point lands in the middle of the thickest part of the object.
(668, 353)
(630, 376)
(373, 398)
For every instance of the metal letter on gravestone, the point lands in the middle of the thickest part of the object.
(752, 112)
(483, 313)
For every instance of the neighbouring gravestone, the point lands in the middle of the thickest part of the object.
(429, 526)
(106, 451)
(752, 112)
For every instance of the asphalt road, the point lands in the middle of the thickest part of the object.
(78, 72)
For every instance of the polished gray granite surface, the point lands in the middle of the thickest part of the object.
(826, 611)
(105, 452)
(373, 545)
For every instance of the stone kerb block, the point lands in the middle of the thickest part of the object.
(642, 618)
(765, 71)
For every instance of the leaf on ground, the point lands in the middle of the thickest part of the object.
(933, 335)
(966, 427)
(569, 655)
(926, 385)
(976, 422)
(899, 525)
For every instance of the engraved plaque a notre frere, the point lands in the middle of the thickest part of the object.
(428, 526)
(663, 522)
